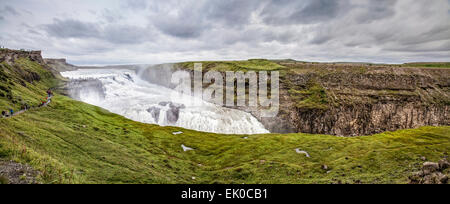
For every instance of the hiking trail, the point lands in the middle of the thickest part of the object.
(49, 100)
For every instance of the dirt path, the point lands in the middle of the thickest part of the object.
(49, 100)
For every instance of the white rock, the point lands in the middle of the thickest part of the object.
(177, 133)
(302, 152)
(186, 148)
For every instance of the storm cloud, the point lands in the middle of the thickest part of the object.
(71, 28)
(140, 31)
(9, 10)
(301, 12)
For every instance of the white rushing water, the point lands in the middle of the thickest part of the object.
(123, 92)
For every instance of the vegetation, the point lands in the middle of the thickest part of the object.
(73, 142)
(25, 82)
(313, 97)
(429, 65)
(249, 65)
(3, 180)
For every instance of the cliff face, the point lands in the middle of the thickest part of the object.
(366, 119)
(24, 78)
(10, 56)
(60, 65)
(363, 100)
(354, 99)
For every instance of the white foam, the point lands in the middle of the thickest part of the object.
(126, 94)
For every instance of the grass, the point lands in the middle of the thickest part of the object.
(244, 66)
(73, 142)
(4, 180)
(18, 87)
(429, 65)
(313, 97)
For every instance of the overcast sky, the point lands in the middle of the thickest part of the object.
(154, 31)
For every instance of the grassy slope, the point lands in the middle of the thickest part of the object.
(249, 65)
(13, 76)
(112, 149)
(429, 65)
(72, 142)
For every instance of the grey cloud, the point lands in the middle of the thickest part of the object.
(125, 34)
(179, 28)
(281, 37)
(281, 12)
(192, 20)
(136, 4)
(33, 32)
(2, 18)
(116, 34)
(10, 10)
(231, 12)
(188, 22)
(421, 48)
(381, 30)
(321, 39)
(72, 29)
(111, 16)
(376, 10)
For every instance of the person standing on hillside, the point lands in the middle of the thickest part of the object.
(49, 93)
(11, 112)
(3, 114)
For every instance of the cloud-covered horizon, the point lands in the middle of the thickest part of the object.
(150, 32)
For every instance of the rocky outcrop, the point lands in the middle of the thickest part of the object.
(432, 173)
(60, 65)
(24, 74)
(358, 99)
(10, 56)
(367, 119)
(172, 111)
(369, 100)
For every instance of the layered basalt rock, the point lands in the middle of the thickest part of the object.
(365, 100)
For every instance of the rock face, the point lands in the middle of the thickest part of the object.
(172, 112)
(24, 74)
(60, 65)
(349, 100)
(367, 119)
(358, 99)
(9, 56)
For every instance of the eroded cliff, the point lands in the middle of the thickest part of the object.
(353, 99)
(349, 100)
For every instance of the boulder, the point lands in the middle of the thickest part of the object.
(155, 112)
(443, 179)
(444, 164)
(430, 167)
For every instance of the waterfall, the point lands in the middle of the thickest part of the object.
(124, 92)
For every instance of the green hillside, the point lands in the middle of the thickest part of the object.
(73, 142)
